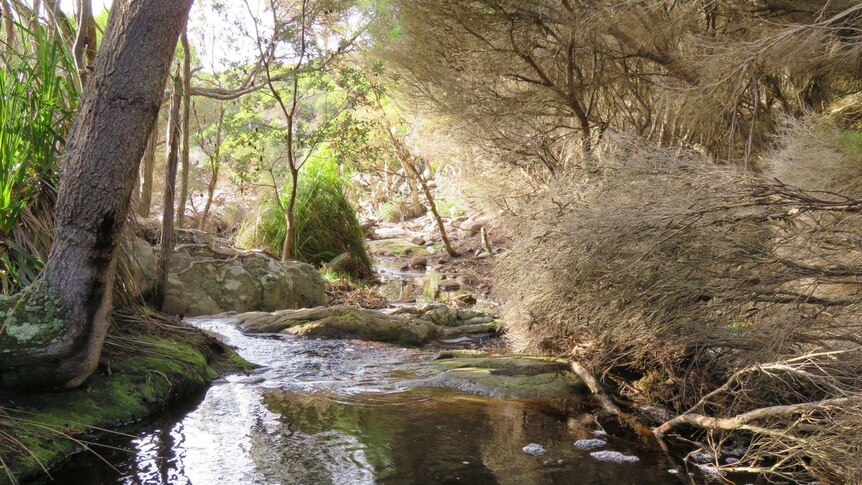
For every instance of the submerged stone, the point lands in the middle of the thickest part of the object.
(534, 449)
(506, 376)
(614, 457)
(393, 247)
(590, 444)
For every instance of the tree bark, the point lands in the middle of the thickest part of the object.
(215, 164)
(8, 23)
(211, 187)
(85, 41)
(167, 245)
(61, 22)
(53, 332)
(187, 84)
(149, 163)
(290, 234)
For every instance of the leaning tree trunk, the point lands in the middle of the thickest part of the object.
(413, 172)
(53, 332)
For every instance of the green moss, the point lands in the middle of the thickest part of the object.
(33, 318)
(159, 371)
(509, 376)
(393, 247)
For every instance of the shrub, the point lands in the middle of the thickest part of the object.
(712, 290)
(400, 209)
(326, 222)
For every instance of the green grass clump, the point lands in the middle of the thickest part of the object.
(390, 210)
(326, 222)
(399, 209)
(38, 99)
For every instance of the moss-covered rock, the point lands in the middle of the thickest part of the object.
(339, 322)
(503, 376)
(34, 318)
(207, 280)
(149, 373)
(342, 322)
(394, 247)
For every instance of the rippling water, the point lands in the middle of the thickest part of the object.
(337, 412)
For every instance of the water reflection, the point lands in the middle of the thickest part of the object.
(407, 286)
(338, 412)
(434, 436)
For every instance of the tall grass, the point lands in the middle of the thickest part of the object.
(38, 98)
(326, 221)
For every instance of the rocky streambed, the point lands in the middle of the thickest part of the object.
(324, 410)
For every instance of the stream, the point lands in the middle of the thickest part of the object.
(338, 411)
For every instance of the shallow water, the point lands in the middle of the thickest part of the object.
(339, 412)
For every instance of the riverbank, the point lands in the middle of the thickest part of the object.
(149, 363)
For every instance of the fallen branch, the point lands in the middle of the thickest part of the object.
(595, 388)
(743, 421)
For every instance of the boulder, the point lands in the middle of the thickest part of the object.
(418, 241)
(471, 226)
(208, 281)
(467, 280)
(418, 262)
(449, 285)
(342, 263)
(142, 264)
(441, 315)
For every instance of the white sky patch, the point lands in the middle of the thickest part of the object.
(221, 37)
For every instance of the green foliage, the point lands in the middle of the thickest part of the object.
(399, 209)
(448, 208)
(38, 98)
(390, 211)
(851, 143)
(326, 222)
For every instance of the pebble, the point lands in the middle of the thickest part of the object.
(590, 444)
(614, 457)
(701, 457)
(710, 471)
(534, 449)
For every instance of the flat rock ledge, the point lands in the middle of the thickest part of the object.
(502, 376)
(343, 322)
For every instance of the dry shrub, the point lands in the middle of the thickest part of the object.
(813, 156)
(659, 266)
(344, 292)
